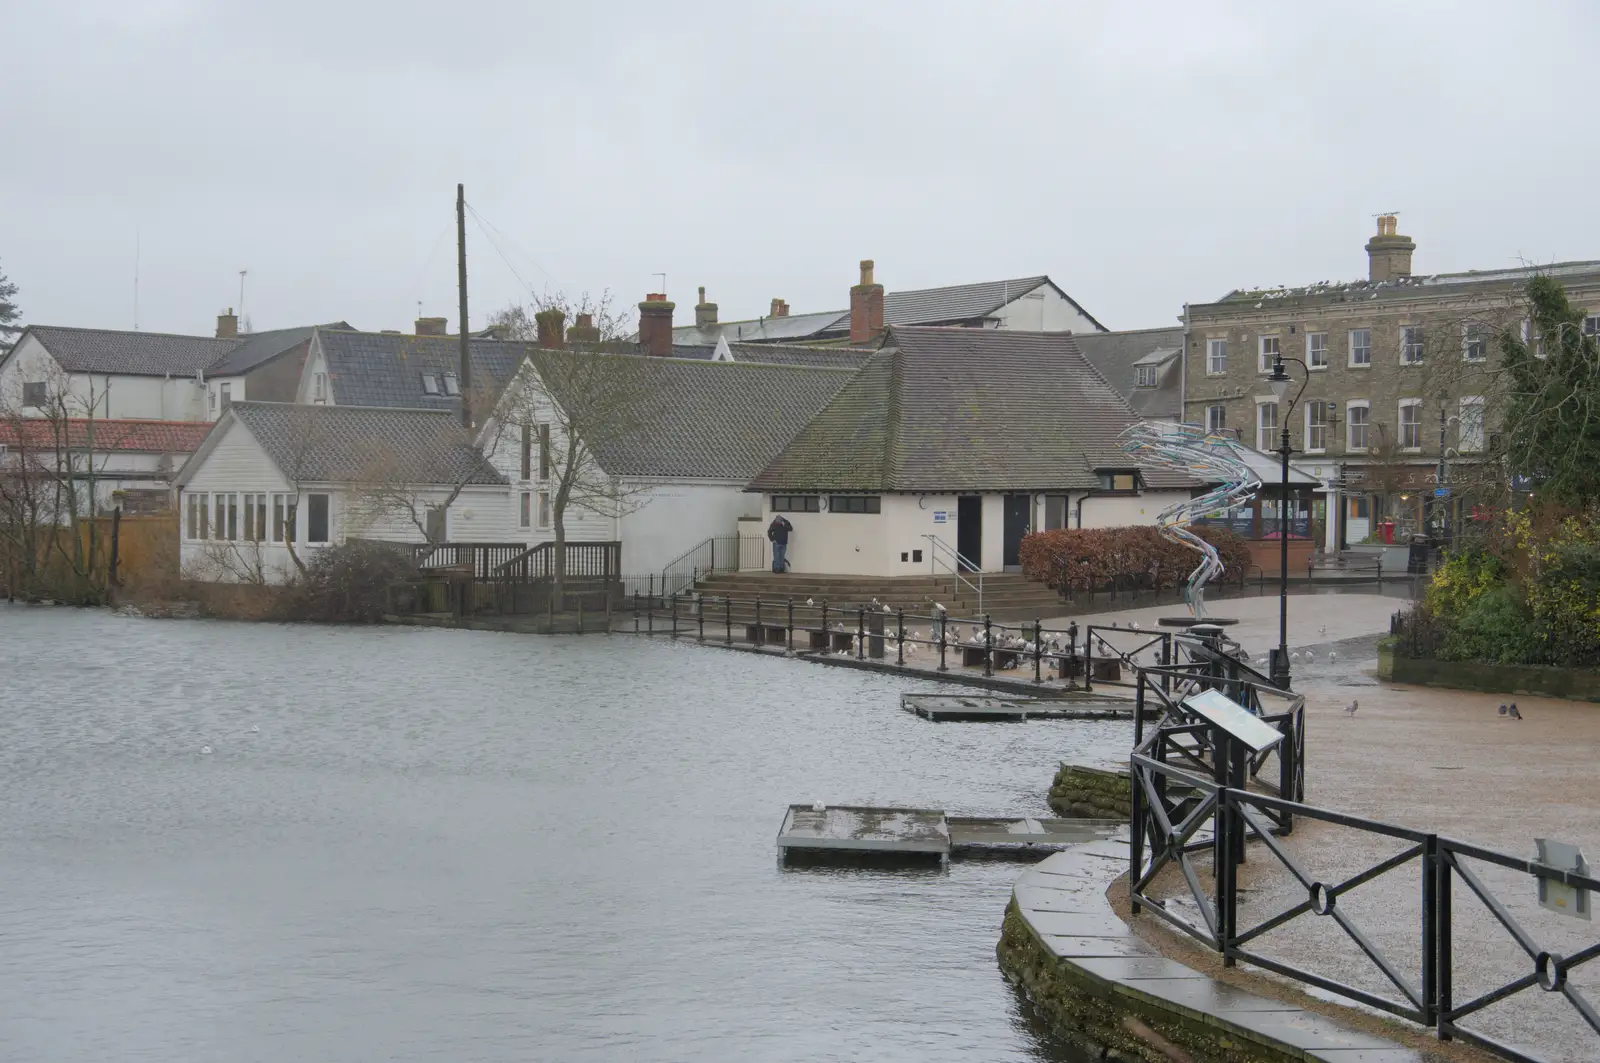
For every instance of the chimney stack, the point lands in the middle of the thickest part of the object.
(779, 308)
(432, 326)
(550, 324)
(227, 325)
(705, 314)
(866, 306)
(1388, 254)
(584, 331)
(655, 325)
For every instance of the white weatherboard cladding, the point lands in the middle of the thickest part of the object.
(1042, 309)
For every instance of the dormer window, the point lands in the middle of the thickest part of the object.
(452, 386)
(430, 384)
(1118, 480)
(1144, 376)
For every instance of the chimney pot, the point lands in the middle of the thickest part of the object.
(655, 325)
(866, 306)
(1388, 253)
(227, 325)
(550, 324)
(705, 314)
(432, 326)
(584, 331)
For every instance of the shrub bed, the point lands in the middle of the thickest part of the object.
(1082, 559)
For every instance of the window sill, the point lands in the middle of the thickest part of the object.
(1474, 361)
(1359, 365)
(1411, 450)
(1355, 451)
(1318, 451)
(1211, 373)
(1411, 365)
(1318, 368)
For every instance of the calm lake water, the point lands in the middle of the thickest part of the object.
(429, 845)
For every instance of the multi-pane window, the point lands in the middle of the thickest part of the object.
(1266, 425)
(544, 509)
(1268, 353)
(255, 518)
(1144, 376)
(318, 525)
(1216, 356)
(1357, 420)
(199, 522)
(1316, 426)
(1317, 350)
(319, 388)
(225, 516)
(1474, 343)
(854, 503)
(283, 518)
(33, 394)
(1216, 419)
(1411, 424)
(527, 452)
(1471, 424)
(796, 503)
(1360, 346)
(1411, 345)
(525, 519)
(1591, 325)
(544, 452)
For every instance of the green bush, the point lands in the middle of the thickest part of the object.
(1458, 583)
(1495, 628)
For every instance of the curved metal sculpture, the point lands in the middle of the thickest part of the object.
(1212, 459)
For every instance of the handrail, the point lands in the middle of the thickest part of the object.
(957, 560)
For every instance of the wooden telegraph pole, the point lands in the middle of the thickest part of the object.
(461, 269)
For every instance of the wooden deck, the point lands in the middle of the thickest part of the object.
(847, 833)
(950, 708)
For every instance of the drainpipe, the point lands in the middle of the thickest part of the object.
(1081, 499)
(1183, 371)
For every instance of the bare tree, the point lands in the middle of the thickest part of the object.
(585, 322)
(419, 489)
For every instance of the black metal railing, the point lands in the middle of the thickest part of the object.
(1567, 643)
(1184, 811)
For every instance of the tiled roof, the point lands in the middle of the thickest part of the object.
(1115, 354)
(347, 444)
(762, 330)
(958, 409)
(783, 354)
(686, 418)
(1401, 287)
(386, 369)
(85, 350)
(124, 436)
(259, 347)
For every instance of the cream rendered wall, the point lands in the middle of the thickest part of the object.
(673, 517)
(907, 520)
(994, 528)
(1042, 310)
(845, 544)
(1122, 511)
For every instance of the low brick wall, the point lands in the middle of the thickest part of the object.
(1090, 793)
(1109, 1024)
(1579, 684)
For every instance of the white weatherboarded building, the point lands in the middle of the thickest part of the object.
(273, 481)
(959, 440)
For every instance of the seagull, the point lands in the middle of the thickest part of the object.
(1350, 709)
(255, 729)
(887, 609)
(1513, 713)
(205, 749)
(1134, 625)
(1333, 655)
(938, 606)
(1310, 655)
(818, 806)
(810, 602)
(1295, 656)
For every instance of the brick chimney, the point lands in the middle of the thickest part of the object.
(866, 306)
(550, 324)
(227, 325)
(432, 326)
(779, 308)
(705, 314)
(1388, 254)
(584, 331)
(655, 325)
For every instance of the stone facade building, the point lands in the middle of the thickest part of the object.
(1389, 363)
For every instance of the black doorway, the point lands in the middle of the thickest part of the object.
(1019, 509)
(969, 528)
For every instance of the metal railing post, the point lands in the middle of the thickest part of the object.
(1135, 825)
(635, 608)
(943, 618)
(761, 634)
(861, 632)
(727, 620)
(988, 647)
(700, 616)
(789, 628)
(1088, 659)
(1444, 949)
(674, 616)
(1430, 929)
(827, 636)
(1038, 649)
(650, 607)
(900, 638)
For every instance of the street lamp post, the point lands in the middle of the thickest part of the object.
(1279, 382)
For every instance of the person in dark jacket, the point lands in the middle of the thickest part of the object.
(778, 533)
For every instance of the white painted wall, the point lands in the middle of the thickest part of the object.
(908, 520)
(1042, 310)
(846, 544)
(316, 362)
(114, 395)
(1122, 511)
(672, 517)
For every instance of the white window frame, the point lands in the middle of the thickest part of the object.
(225, 516)
(1366, 363)
(197, 516)
(1144, 376)
(1271, 441)
(254, 510)
(544, 515)
(332, 529)
(1412, 336)
(224, 396)
(1409, 404)
(1217, 356)
(285, 532)
(1472, 402)
(1319, 407)
(319, 387)
(1468, 331)
(1311, 358)
(1366, 426)
(1264, 360)
(1591, 325)
(1222, 419)
(525, 512)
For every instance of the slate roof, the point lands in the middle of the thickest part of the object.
(762, 330)
(1115, 354)
(343, 444)
(685, 418)
(259, 347)
(110, 434)
(1402, 287)
(386, 369)
(959, 409)
(783, 354)
(85, 350)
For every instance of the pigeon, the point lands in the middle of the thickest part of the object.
(1513, 713)
(1503, 710)
(939, 607)
(887, 609)
(1350, 709)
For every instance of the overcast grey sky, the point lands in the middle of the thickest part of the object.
(1142, 155)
